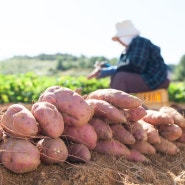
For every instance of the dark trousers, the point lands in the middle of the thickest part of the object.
(132, 83)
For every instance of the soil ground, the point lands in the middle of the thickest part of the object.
(104, 170)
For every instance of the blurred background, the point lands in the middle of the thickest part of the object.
(66, 37)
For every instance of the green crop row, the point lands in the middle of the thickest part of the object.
(176, 92)
(27, 88)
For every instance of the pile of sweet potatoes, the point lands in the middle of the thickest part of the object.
(66, 126)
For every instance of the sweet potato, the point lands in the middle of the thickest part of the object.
(152, 133)
(78, 153)
(73, 107)
(49, 118)
(137, 130)
(19, 121)
(117, 98)
(136, 156)
(85, 135)
(135, 114)
(182, 138)
(106, 110)
(179, 144)
(1, 133)
(112, 147)
(121, 134)
(156, 117)
(144, 147)
(166, 147)
(178, 118)
(102, 129)
(170, 132)
(19, 155)
(1, 152)
(52, 150)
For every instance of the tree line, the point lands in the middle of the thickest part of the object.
(64, 62)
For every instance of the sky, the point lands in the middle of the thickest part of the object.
(85, 27)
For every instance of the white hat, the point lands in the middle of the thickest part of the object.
(126, 29)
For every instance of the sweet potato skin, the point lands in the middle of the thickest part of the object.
(137, 130)
(20, 155)
(78, 153)
(182, 138)
(143, 147)
(1, 133)
(102, 128)
(178, 118)
(108, 111)
(179, 144)
(85, 135)
(112, 147)
(166, 146)
(171, 132)
(121, 134)
(52, 150)
(136, 156)
(152, 133)
(135, 114)
(19, 121)
(73, 107)
(116, 97)
(155, 117)
(49, 118)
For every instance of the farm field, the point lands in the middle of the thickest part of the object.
(103, 170)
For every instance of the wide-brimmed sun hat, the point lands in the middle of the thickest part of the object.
(125, 29)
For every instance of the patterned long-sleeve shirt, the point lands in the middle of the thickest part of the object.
(142, 57)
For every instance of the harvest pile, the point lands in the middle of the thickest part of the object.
(65, 126)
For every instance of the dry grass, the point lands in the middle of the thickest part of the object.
(105, 170)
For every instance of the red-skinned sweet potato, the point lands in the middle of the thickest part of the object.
(19, 155)
(121, 134)
(179, 144)
(52, 150)
(178, 118)
(171, 132)
(136, 156)
(106, 110)
(116, 97)
(78, 153)
(156, 118)
(1, 133)
(19, 121)
(73, 107)
(112, 147)
(102, 128)
(85, 135)
(152, 133)
(182, 138)
(166, 147)
(144, 147)
(49, 118)
(135, 114)
(137, 130)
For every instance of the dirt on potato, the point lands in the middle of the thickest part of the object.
(104, 170)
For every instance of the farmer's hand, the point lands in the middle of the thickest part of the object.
(94, 73)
